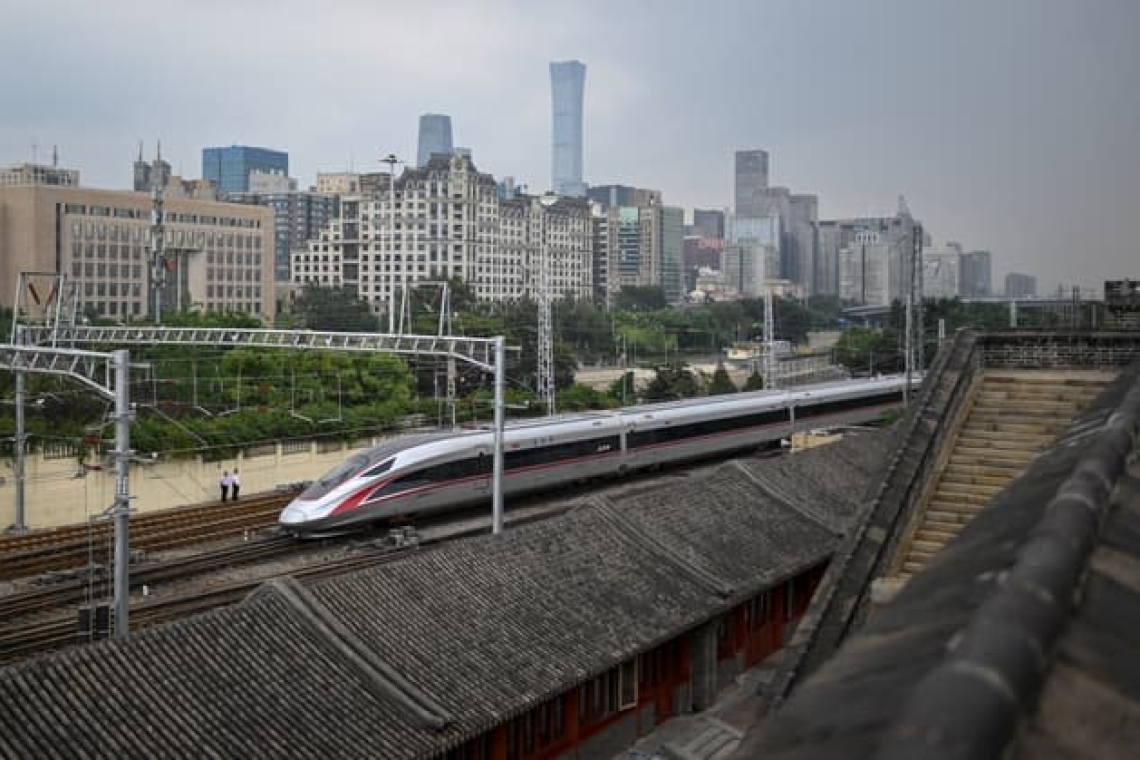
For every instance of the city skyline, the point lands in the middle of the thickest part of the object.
(1005, 127)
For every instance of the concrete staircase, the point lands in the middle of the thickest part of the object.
(1014, 416)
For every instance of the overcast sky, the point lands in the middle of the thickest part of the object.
(1009, 125)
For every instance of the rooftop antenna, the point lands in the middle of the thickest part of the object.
(55, 156)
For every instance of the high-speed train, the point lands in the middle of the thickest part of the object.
(417, 474)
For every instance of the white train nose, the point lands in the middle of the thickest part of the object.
(293, 515)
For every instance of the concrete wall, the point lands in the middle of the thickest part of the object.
(61, 491)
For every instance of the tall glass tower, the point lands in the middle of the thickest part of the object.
(229, 168)
(567, 79)
(435, 137)
(751, 183)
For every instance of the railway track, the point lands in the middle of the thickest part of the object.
(60, 629)
(75, 546)
(28, 629)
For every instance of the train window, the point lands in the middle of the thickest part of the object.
(379, 469)
(706, 427)
(558, 452)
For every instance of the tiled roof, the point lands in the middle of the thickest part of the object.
(1019, 640)
(415, 656)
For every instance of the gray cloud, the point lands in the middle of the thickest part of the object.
(1011, 126)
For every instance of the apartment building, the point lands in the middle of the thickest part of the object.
(219, 256)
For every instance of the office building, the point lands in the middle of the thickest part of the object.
(977, 275)
(1020, 285)
(748, 268)
(434, 138)
(622, 195)
(708, 223)
(229, 168)
(218, 255)
(298, 217)
(639, 246)
(872, 257)
(38, 174)
(751, 183)
(941, 274)
(567, 82)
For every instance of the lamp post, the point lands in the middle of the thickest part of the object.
(391, 160)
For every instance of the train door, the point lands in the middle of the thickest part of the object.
(485, 470)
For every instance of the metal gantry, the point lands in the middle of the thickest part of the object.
(84, 366)
(486, 354)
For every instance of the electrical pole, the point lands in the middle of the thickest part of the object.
(920, 327)
(769, 342)
(545, 326)
(122, 509)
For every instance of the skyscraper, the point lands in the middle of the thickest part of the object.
(567, 79)
(751, 186)
(229, 168)
(435, 137)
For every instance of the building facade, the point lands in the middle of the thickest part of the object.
(218, 255)
(623, 195)
(450, 223)
(941, 274)
(567, 83)
(434, 138)
(38, 174)
(750, 175)
(1020, 285)
(869, 256)
(229, 168)
(298, 217)
(708, 223)
(977, 274)
(639, 246)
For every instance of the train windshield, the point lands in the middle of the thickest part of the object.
(335, 477)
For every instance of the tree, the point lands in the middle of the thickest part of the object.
(334, 309)
(865, 350)
(579, 397)
(623, 390)
(721, 383)
(671, 382)
(755, 381)
(642, 298)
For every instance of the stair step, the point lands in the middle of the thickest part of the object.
(960, 502)
(911, 567)
(1006, 460)
(980, 471)
(967, 479)
(949, 488)
(942, 527)
(934, 537)
(981, 455)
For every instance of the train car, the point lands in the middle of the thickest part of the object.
(421, 474)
